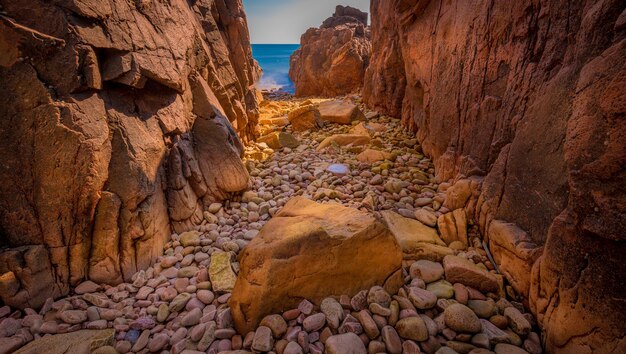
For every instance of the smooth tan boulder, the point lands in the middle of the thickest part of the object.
(312, 251)
(80, 342)
(344, 140)
(279, 140)
(371, 156)
(461, 270)
(305, 118)
(410, 233)
(453, 227)
(340, 111)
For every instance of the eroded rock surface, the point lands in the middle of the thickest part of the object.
(524, 103)
(121, 120)
(332, 59)
(310, 251)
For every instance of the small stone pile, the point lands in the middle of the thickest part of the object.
(452, 303)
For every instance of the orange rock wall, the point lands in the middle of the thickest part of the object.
(525, 102)
(120, 119)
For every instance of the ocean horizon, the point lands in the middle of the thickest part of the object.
(274, 60)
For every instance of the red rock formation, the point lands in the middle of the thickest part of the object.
(119, 121)
(527, 100)
(332, 59)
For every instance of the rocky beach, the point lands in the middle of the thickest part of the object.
(445, 178)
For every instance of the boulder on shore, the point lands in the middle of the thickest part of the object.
(312, 251)
(340, 111)
(81, 342)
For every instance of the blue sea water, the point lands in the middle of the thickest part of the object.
(274, 60)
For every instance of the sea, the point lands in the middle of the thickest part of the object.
(274, 60)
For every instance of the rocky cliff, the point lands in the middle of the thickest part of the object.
(120, 120)
(332, 59)
(523, 104)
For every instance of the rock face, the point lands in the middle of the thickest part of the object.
(526, 101)
(332, 59)
(311, 251)
(120, 122)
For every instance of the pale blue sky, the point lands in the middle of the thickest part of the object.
(284, 21)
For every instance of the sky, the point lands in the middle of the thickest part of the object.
(284, 21)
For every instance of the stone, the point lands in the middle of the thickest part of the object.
(192, 318)
(73, 316)
(348, 343)
(305, 235)
(314, 322)
(332, 59)
(263, 341)
(206, 296)
(87, 287)
(460, 270)
(422, 299)
(503, 348)
(340, 111)
(517, 321)
(371, 155)
(391, 339)
(278, 140)
(368, 323)
(482, 308)
(412, 328)
(276, 323)
(343, 140)
(338, 169)
(410, 234)
(82, 341)
(453, 227)
(179, 302)
(494, 334)
(190, 238)
(187, 272)
(515, 252)
(426, 217)
(221, 272)
(305, 118)
(333, 311)
(158, 342)
(462, 319)
(293, 348)
(426, 270)
(441, 289)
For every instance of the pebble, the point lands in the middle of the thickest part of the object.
(462, 319)
(426, 270)
(517, 321)
(314, 322)
(345, 343)
(263, 341)
(412, 328)
(333, 311)
(276, 323)
(422, 299)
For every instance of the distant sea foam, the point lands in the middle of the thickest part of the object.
(274, 60)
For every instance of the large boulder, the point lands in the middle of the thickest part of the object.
(414, 238)
(332, 59)
(305, 118)
(312, 251)
(538, 129)
(125, 119)
(84, 341)
(340, 111)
